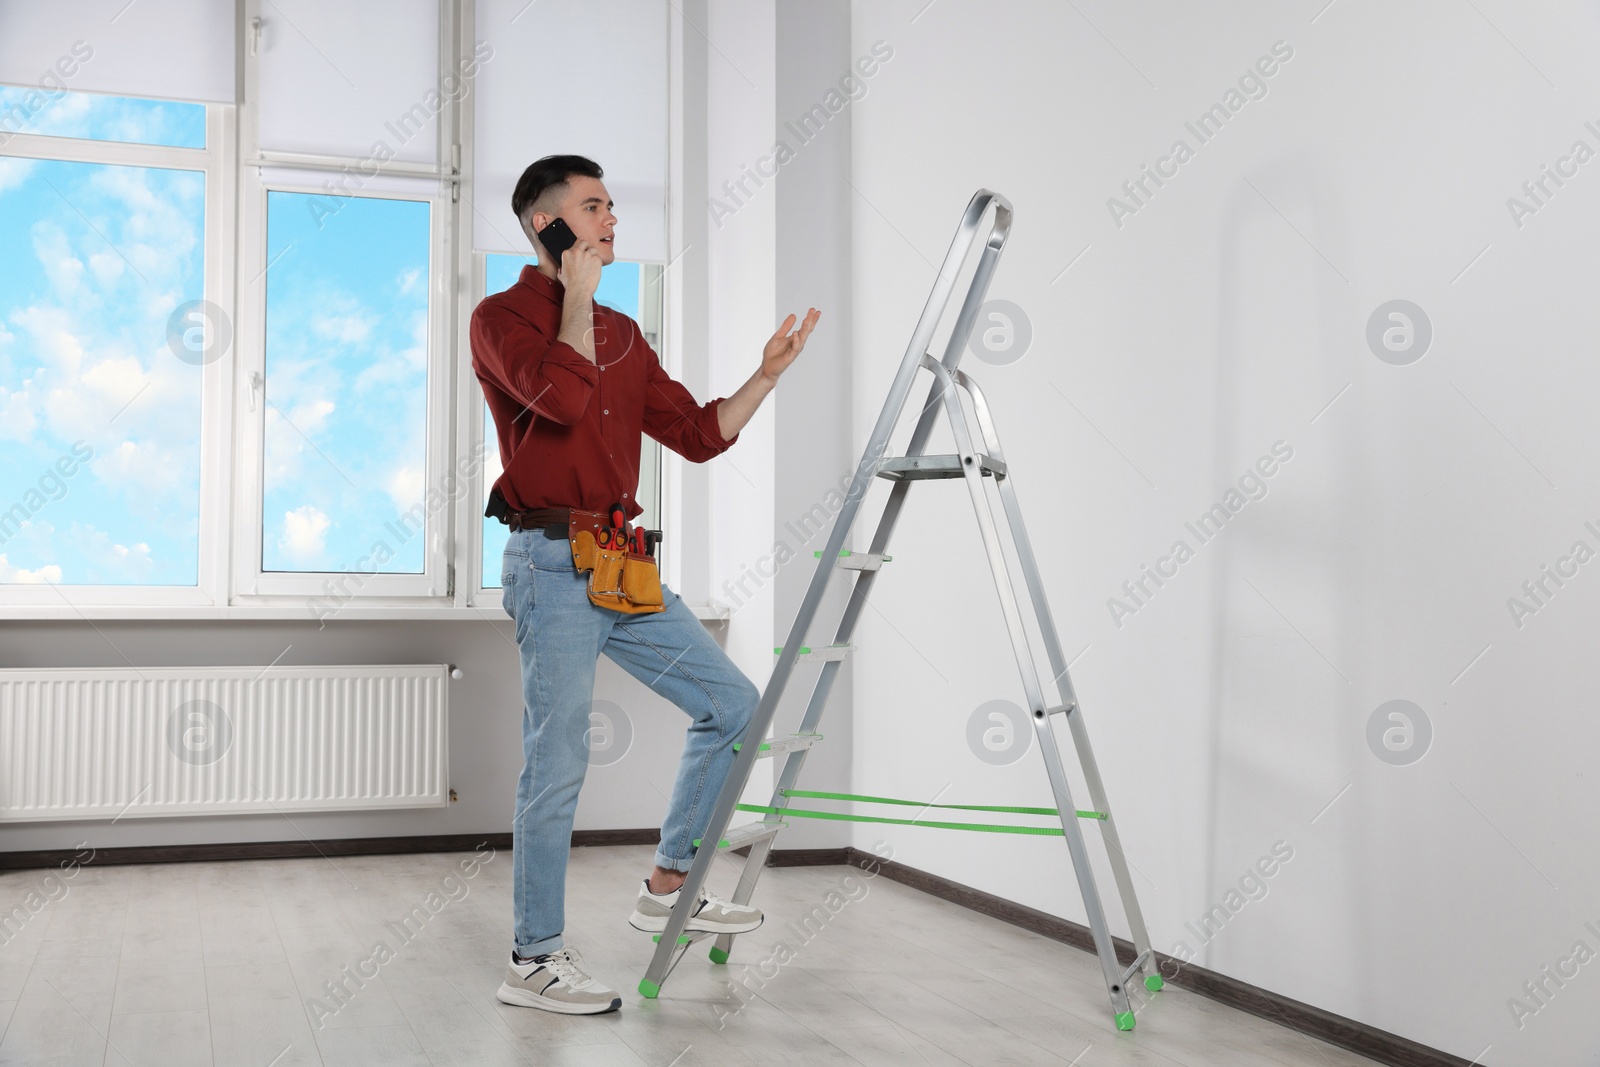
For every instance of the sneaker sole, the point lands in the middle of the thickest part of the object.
(509, 995)
(655, 926)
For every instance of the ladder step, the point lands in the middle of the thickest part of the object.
(748, 834)
(821, 652)
(910, 468)
(858, 561)
(779, 745)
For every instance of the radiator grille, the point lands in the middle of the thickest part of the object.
(124, 743)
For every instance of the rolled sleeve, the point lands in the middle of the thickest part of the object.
(547, 376)
(673, 417)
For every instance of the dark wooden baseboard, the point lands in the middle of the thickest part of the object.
(1358, 1037)
(342, 846)
(1366, 1040)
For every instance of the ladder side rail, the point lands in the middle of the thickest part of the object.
(1063, 678)
(1105, 948)
(1009, 606)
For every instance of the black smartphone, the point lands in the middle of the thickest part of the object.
(557, 238)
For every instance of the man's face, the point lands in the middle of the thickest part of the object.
(587, 208)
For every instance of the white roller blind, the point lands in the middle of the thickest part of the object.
(581, 76)
(340, 79)
(170, 49)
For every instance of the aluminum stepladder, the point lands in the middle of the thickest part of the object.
(974, 466)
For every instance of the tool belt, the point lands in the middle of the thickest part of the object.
(621, 578)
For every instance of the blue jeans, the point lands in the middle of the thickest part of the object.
(561, 636)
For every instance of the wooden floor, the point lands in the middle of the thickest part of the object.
(235, 963)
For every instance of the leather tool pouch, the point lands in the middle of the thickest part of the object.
(619, 578)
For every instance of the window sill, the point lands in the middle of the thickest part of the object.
(488, 612)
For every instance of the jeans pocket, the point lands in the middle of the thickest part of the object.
(551, 554)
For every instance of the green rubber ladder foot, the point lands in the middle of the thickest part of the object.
(1153, 982)
(718, 955)
(649, 989)
(1124, 1020)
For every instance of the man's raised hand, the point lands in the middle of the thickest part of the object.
(784, 345)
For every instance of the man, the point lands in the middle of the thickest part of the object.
(571, 385)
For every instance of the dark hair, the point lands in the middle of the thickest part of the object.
(547, 172)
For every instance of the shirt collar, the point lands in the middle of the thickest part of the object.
(547, 287)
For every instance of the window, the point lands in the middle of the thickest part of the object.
(107, 283)
(233, 372)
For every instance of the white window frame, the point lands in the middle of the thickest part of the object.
(330, 591)
(215, 162)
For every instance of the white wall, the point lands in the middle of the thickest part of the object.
(739, 72)
(1222, 317)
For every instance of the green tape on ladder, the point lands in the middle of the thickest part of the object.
(777, 650)
(804, 813)
(1002, 808)
(739, 744)
(720, 844)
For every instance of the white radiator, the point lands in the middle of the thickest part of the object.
(110, 743)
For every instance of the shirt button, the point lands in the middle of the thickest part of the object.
(605, 411)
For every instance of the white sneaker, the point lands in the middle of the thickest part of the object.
(713, 915)
(556, 983)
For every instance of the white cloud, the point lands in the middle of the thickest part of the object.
(409, 279)
(305, 531)
(13, 172)
(118, 380)
(308, 416)
(346, 329)
(53, 336)
(125, 562)
(406, 487)
(54, 252)
(17, 419)
(156, 472)
(10, 575)
(107, 268)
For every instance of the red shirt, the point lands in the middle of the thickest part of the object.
(569, 429)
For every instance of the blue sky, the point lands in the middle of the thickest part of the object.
(346, 382)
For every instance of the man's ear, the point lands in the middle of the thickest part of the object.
(531, 225)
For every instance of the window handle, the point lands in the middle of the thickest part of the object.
(255, 384)
(255, 35)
